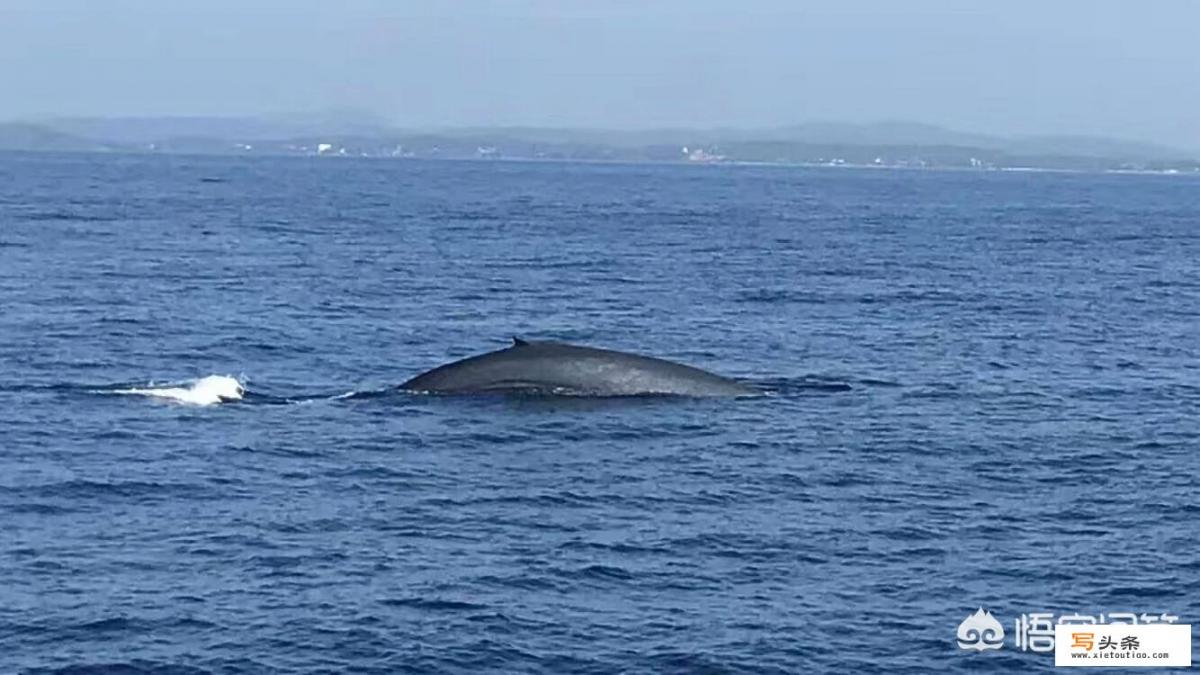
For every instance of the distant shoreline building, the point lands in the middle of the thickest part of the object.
(701, 155)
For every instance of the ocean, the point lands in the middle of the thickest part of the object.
(982, 391)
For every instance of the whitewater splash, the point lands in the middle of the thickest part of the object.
(204, 391)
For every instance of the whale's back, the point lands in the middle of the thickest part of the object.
(565, 369)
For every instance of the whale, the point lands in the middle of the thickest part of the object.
(562, 369)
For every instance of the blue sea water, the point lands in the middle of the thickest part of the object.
(985, 392)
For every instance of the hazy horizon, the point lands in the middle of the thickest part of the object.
(1101, 69)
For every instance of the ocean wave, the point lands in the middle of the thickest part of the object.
(81, 489)
(434, 604)
(209, 390)
(62, 215)
(215, 389)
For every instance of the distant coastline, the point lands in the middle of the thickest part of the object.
(885, 145)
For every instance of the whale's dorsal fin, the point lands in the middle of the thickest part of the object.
(518, 342)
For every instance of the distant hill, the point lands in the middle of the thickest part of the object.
(879, 134)
(1092, 146)
(38, 138)
(156, 130)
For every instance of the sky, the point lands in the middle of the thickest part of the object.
(1113, 68)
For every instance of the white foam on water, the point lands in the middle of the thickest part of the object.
(209, 390)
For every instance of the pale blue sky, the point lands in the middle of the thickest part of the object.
(1126, 69)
